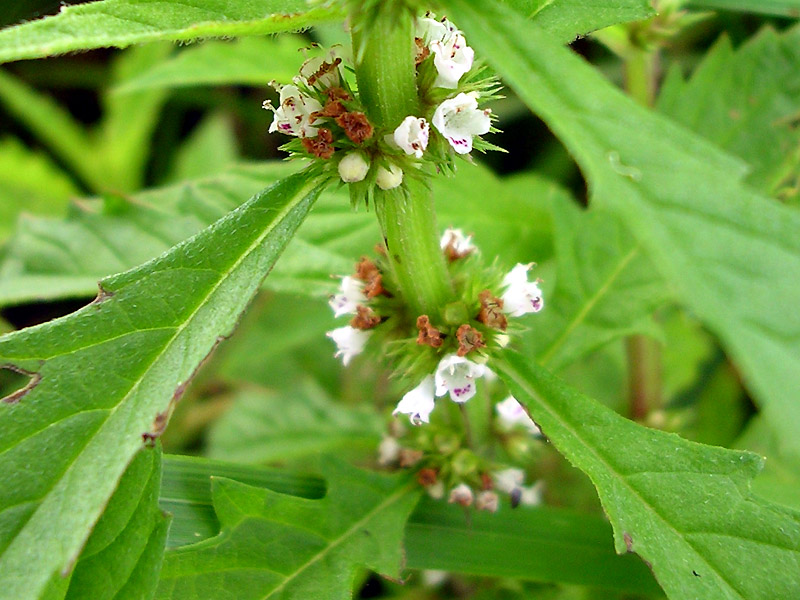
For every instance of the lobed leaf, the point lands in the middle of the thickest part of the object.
(684, 507)
(745, 101)
(104, 379)
(276, 546)
(542, 544)
(120, 23)
(729, 254)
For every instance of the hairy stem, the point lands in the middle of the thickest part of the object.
(383, 45)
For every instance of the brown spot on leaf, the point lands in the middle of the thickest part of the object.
(428, 334)
(356, 126)
(320, 146)
(628, 541)
(469, 339)
(16, 396)
(491, 313)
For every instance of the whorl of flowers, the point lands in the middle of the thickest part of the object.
(322, 111)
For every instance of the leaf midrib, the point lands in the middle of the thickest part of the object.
(394, 497)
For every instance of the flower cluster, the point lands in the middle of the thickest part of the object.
(323, 112)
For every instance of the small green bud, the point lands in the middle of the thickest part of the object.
(456, 313)
(388, 179)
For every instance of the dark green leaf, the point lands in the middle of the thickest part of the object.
(120, 23)
(106, 377)
(684, 507)
(273, 545)
(783, 8)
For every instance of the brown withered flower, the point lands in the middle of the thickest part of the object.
(427, 476)
(324, 69)
(428, 334)
(365, 318)
(422, 51)
(320, 146)
(491, 313)
(367, 271)
(356, 126)
(469, 339)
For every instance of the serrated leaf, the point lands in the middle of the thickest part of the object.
(569, 19)
(122, 558)
(266, 427)
(606, 288)
(684, 507)
(782, 8)
(120, 23)
(277, 546)
(247, 61)
(745, 101)
(105, 377)
(730, 255)
(541, 544)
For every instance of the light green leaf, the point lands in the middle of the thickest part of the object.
(120, 23)
(50, 259)
(30, 182)
(569, 19)
(782, 8)
(542, 544)
(730, 255)
(276, 546)
(104, 378)
(684, 507)
(745, 101)
(606, 288)
(247, 61)
(266, 427)
(209, 150)
(122, 558)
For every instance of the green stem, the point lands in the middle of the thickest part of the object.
(644, 353)
(383, 45)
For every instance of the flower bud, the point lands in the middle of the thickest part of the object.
(461, 494)
(487, 500)
(353, 168)
(388, 179)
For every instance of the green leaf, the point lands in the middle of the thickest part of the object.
(50, 259)
(730, 255)
(30, 182)
(781, 8)
(684, 507)
(569, 19)
(745, 101)
(263, 427)
(106, 377)
(276, 546)
(247, 61)
(210, 149)
(122, 558)
(120, 23)
(606, 288)
(542, 544)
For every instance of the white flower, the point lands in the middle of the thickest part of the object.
(388, 179)
(430, 30)
(352, 294)
(459, 119)
(521, 296)
(349, 341)
(418, 403)
(436, 491)
(456, 375)
(455, 238)
(312, 74)
(452, 59)
(412, 135)
(461, 494)
(511, 414)
(293, 116)
(510, 481)
(487, 500)
(353, 168)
